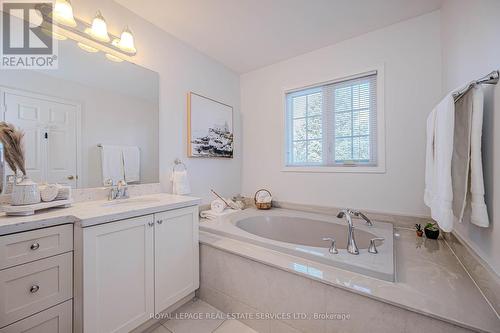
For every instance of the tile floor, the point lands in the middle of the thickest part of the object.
(214, 324)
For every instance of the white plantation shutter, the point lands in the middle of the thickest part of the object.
(334, 124)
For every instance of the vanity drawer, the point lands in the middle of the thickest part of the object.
(28, 246)
(36, 286)
(57, 319)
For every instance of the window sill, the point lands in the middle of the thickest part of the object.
(336, 169)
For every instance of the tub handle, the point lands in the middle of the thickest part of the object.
(333, 246)
(372, 248)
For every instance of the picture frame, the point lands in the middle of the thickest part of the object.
(210, 128)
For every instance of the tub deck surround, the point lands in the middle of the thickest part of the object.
(429, 279)
(288, 231)
(88, 213)
(398, 220)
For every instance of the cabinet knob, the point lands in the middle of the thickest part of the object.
(34, 289)
(34, 246)
(71, 177)
(159, 221)
(151, 223)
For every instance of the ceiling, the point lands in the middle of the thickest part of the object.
(248, 34)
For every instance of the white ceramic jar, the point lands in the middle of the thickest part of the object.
(25, 192)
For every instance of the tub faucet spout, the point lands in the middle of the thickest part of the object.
(352, 248)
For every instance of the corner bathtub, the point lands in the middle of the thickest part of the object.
(301, 234)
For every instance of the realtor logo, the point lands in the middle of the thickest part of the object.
(27, 41)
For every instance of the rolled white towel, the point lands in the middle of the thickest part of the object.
(217, 206)
(264, 197)
(63, 193)
(48, 192)
(211, 215)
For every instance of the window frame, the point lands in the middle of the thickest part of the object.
(308, 87)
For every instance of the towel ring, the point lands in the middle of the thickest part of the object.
(178, 163)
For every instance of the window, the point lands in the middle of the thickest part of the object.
(334, 124)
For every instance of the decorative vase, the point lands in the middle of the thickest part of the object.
(431, 234)
(25, 192)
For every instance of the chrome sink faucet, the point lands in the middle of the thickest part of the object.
(118, 191)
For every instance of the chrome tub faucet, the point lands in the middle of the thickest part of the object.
(352, 248)
(348, 214)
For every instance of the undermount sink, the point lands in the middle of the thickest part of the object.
(132, 201)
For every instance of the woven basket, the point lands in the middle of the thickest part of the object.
(262, 205)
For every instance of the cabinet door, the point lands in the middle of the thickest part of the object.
(176, 256)
(118, 275)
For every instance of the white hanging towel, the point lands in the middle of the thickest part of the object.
(132, 164)
(112, 164)
(180, 182)
(438, 184)
(479, 215)
(460, 163)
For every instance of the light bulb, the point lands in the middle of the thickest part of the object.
(63, 13)
(99, 29)
(126, 42)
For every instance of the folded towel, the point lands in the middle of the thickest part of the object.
(132, 164)
(479, 215)
(460, 164)
(438, 184)
(217, 206)
(180, 182)
(212, 215)
(112, 164)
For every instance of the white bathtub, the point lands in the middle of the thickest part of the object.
(301, 233)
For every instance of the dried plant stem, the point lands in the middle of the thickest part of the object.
(12, 141)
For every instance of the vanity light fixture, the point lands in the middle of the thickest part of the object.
(113, 58)
(63, 13)
(87, 48)
(46, 30)
(126, 41)
(99, 28)
(91, 37)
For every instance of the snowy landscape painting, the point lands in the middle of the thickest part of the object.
(210, 128)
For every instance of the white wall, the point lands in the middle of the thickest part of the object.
(181, 69)
(471, 48)
(411, 53)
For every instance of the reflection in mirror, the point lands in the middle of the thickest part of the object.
(88, 123)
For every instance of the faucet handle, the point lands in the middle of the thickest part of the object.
(333, 246)
(372, 248)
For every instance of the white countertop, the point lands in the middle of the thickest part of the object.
(90, 213)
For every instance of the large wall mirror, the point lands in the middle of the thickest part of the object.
(88, 123)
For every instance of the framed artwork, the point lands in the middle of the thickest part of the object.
(210, 127)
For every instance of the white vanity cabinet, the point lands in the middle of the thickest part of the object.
(176, 256)
(134, 268)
